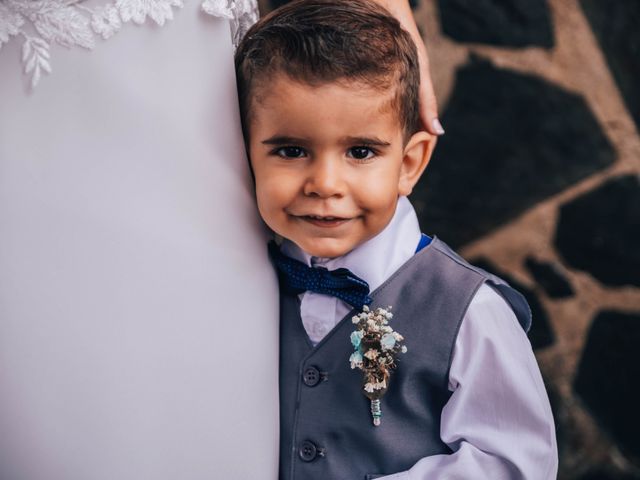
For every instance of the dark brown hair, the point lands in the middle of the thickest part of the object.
(321, 41)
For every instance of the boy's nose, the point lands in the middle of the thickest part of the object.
(325, 180)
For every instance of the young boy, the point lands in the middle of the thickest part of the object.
(328, 93)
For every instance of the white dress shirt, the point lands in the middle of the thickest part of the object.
(498, 421)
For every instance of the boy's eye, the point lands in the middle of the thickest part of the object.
(291, 152)
(361, 153)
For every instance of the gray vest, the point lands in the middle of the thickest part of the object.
(326, 430)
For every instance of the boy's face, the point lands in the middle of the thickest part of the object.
(330, 162)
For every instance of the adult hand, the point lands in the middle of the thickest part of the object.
(428, 104)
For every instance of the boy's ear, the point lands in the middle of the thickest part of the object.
(417, 154)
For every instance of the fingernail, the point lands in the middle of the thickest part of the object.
(437, 126)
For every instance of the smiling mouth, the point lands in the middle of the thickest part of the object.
(326, 222)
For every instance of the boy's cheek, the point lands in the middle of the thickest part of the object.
(266, 200)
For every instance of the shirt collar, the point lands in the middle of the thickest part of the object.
(376, 259)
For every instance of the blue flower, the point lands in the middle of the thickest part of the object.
(356, 337)
(355, 359)
(387, 341)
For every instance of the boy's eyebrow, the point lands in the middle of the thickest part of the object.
(366, 141)
(282, 140)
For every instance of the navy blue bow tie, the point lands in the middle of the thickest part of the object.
(296, 277)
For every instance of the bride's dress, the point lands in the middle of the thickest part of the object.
(138, 313)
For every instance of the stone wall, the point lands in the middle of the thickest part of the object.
(538, 180)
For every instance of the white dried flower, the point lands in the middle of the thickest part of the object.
(372, 386)
(371, 354)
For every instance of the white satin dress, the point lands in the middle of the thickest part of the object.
(138, 312)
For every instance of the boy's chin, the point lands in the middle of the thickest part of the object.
(326, 249)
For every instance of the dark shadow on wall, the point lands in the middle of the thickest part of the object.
(512, 141)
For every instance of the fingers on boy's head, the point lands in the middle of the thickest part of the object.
(321, 41)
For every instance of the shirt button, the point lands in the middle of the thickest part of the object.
(308, 451)
(311, 376)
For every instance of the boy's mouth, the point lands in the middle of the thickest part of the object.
(324, 221)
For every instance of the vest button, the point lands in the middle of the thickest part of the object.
(308, 451)
(311, 376)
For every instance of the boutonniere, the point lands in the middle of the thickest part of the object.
(376, 349)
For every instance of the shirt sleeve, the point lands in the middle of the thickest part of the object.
(498, 421)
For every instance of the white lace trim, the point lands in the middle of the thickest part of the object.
(70, 23)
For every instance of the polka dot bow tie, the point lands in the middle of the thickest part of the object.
(296, 277)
